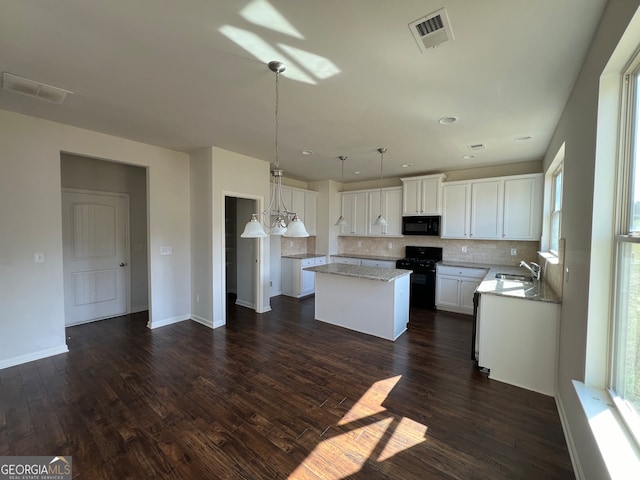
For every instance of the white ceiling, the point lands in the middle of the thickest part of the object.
(192, 73)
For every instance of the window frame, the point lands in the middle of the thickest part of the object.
(559, 171)
(625, 236)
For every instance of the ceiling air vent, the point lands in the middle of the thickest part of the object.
(432, 30)
(31, 88)
(477, 146)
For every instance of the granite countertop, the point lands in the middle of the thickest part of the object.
(357, 271)
(538, 291)
(366, 257)
(303, 256)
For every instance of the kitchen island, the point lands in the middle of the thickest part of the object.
(371, 300)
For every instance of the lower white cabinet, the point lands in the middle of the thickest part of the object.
(346, 260)
(295, 281)
(378, 263)
(455, 287)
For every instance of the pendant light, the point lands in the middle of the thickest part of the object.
(276, 218)
(380, 221)
(341, 221)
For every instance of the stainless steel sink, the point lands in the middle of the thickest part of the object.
(514, 277)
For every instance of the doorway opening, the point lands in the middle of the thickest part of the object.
(241, 254)
(105, 255)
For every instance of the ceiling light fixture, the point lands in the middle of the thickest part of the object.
(524, 138)
(276, 218)
(380, 221)
(406, 165)
(307, 152)
(447, 120)
(341, 221)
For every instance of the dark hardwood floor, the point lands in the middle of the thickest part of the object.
(277, 395)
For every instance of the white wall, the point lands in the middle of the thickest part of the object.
(201, 237)
(577, 128)
(31, 295)
(329, 209)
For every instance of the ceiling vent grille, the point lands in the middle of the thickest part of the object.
(431, 30)
(31, 88)
(477, 146)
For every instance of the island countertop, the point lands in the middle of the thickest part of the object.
(357, 271)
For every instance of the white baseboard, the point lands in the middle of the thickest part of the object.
(573, 455)
(30, 357)
(202, 321)
(167, 321)
(242, 303)
(207, 323)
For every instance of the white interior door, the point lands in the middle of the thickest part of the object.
(94, 230)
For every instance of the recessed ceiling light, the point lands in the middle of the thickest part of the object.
(467, 157)
(357, 173)
(447, 120)
(406, 165)
(524, 138)
(307, 152)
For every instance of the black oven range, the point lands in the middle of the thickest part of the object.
(422, 260)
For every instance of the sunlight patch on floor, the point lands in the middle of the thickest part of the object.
(373, 433)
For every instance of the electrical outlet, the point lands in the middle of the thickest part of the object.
(38, 257)
(514, 251)
(464, 249)
(197, 298)
(359, 244)
(390, 245)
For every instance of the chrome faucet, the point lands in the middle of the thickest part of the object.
(534, 269)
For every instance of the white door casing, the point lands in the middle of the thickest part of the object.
(95, 236)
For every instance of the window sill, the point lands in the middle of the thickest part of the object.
(618, 449)
(550, 257)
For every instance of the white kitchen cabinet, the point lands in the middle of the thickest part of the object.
(304, 203)
(501, 208)
(455, 287)
(518, 341)
(361, 208)
(295, 281)
(486, 210)
(367, 262)
(422, 195)
(391, 211)
(354, 211)
(522, 218)
(346, 260)
(456, 205)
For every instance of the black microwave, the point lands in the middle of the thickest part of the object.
(421, 225)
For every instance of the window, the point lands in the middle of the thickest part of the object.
(624, 381)
(555, 217)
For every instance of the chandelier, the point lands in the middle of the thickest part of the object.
(277, 218)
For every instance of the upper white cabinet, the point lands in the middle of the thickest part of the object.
(456, 204)
(486, 209)
(391, 205)
(502, 208)
(354, 211)
(422, 195)
(522, 217)
(304, 203)
(361, 208)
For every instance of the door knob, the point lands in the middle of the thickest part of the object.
(123, 264)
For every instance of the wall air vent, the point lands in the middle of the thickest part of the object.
(432, 30)
(31, 88)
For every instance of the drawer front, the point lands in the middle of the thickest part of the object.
(470, 272)
(321, 261)
(308, 262)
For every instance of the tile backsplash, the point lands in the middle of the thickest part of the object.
(297, 246)
(494, 252)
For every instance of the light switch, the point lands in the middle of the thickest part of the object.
(166, 250)
(38, 257)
